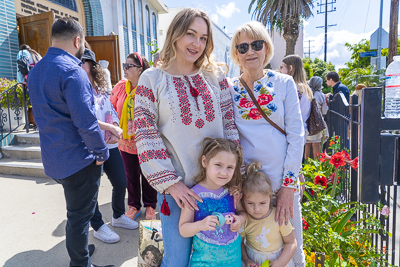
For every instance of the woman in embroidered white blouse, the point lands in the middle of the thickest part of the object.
(177, 105)
(276, 93)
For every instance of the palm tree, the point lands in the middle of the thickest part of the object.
(283, 15)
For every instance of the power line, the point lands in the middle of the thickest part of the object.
(309, 48)
(366, 17)
(332, 9)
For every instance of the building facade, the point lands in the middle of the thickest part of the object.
(134, 21)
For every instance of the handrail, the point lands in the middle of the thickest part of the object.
(10, 107)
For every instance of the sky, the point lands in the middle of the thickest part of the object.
(355, 20)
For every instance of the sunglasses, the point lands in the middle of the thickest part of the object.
(244, 47)
(127, 66)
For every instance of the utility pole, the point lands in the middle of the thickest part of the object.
(332, 8)
(380, 37)
(309, 48)
(394, 18)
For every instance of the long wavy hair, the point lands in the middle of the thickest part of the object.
(178, 27)
(299, 74)
(257, 181)
(98, 78)
(211, 147)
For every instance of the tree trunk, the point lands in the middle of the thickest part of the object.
(394, 17)
(290, 34)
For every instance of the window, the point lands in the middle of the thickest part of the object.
(154, 26)
(140, 17)
(133, 24)
(148, 21)
(124, 14)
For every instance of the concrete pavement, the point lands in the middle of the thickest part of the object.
(33, 219)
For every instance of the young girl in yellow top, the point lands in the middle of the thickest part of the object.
(263, 239)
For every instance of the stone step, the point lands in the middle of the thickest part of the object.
(31, 168)
(27, 138)
(23, 152)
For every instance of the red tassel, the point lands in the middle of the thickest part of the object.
(164, 207)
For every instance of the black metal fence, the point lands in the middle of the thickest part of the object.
(366, 134)
(12, 105)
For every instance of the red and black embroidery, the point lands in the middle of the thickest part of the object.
(152, 154)
(145, 92)
(184, 104)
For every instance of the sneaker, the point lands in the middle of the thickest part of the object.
(106, 235)
(133, 212)
(124, 222)
(150, 214)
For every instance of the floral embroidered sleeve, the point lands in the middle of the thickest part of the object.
(230, 130)
(153, 156)
(295, 137)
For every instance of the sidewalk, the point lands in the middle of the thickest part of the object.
(33, 219)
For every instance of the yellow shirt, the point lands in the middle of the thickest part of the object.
(265, 235)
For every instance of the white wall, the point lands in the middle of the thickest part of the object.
(280, 48)
(112, 16)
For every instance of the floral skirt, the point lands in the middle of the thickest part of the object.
(259, 257)
(207, 255)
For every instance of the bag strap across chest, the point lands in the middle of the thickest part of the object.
(250, 92)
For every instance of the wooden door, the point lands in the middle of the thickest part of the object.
(35, 31)
(107, 48)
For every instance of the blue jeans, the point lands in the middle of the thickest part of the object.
(176, 248)
(114, 168)
(80, 191)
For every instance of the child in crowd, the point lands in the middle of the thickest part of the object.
(263, 238)
(215, 238)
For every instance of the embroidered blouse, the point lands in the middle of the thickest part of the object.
(118, 96)
(170, 123)
(102, 104)
(280, 155)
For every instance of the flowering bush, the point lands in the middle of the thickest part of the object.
(328, 221)
(15, 97)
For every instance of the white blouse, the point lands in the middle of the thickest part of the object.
(170, 123)
(102, 104)
(280, 155)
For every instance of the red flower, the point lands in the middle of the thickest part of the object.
(321, 180)
(337, 160)
(244, 103)
(353, 163)
(336, 137)
(286, 182)
(346, 156)
(264, 99)
(324, 157)
(305, 225)
(255, 114)
(332, 178)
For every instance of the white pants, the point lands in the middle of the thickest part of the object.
(299, 258)
(259, 257)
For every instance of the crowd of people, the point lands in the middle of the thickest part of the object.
(219, 156)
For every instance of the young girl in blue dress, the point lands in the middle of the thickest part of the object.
(215, 226)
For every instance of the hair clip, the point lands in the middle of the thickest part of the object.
(256, 170)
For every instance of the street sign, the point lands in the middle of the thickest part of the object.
(368, 54)
(384, 39)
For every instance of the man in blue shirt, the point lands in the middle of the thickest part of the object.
(332, 80)
(71, 142)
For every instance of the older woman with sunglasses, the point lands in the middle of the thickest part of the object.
(123, 99)
(277, 143)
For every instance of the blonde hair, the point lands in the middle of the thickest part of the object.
(256, 181)
(299, 74)
(178, 28)
(256, 31)
(211, 147)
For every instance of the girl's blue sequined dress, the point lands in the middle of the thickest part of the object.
(220, 247)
